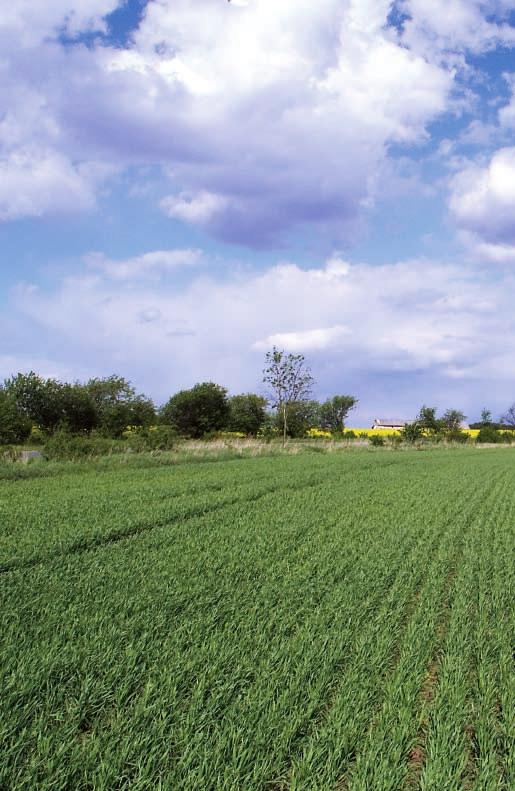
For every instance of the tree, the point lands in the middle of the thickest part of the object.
(452, 419)
(334, 411)
(488, 433)
(289, 379)
(78, 411)
(118, 406)
(110, 390)
(508, 419)
(451, 425)
(486, 417)
(427, 420)
(412, 432)
(301, 416)
(14, 425)
(247, 413)
(198, 411)
(37, 398)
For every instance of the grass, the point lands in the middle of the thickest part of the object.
(300, 621)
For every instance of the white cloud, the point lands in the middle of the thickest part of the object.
(440, 28)
(198, 209)
(33, 183)
(265, 117)
(33, 20)
(151, 264)
(358, 325)
(482, 203)
(306, 340)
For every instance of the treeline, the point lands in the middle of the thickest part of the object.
(34, 407)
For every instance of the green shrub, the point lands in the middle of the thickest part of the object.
(139, 438)
(376, 442)
(412, 432)
(14, 425)
(489, 434)
(457, 435)
(63, 445)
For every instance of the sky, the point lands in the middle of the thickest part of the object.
(186, 183)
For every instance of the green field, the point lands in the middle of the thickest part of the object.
(319, 621)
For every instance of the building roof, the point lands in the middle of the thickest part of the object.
(383, 421)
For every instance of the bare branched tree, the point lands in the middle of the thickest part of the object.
(508, 418)
(289, 380)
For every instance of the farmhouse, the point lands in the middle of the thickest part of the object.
(394, 424)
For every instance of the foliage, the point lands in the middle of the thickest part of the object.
(451, 420)
(247, 413)
(14, 425)
(508, 419)
(36, 436)
(428, 421)
(64, 445)
(376, 441)
(118, 405)
(108, 404)
(489, 433)
(318, 433)
(37, 398)
(412, 432)
(334, 411)
(486, 417)
(198, 411)
(300, 417)
(116, 417)
(269, 429)
(290, 381)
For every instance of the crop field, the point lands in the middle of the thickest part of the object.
(322, 622)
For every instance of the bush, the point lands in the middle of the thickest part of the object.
(489, 434)
(247, 413)
(36, 436)
(318, 433)
(375, 441)
(139, 438)
(457, 435)
(65, 446)
(269, 429)
(14, 425)
(412, 432)
(199, 411)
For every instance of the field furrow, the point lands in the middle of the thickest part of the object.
(302, 623)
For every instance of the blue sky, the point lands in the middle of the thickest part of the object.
(184, 184)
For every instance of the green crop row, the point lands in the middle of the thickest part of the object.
(312, 622)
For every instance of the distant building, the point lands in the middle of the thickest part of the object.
(397, 424)
(393, 424)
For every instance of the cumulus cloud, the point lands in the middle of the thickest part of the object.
(305, 340)
(33, 20)
(265, 117)
(34, 182)
(198, 209)
(482, 202)
(152, 264)
(357, 324)
(440, 28)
